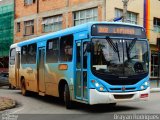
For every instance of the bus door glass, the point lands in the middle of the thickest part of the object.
(41, 71)
(12, 67)
(17, 68)
(81, 71)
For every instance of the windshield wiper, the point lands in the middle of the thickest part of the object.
(130, 47)
(114, 46)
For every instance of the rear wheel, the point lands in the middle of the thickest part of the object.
(67, 99)
(23, 88)
(11, 86)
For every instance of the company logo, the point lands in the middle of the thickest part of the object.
(123, 88)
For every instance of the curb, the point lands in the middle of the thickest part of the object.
(155, 90)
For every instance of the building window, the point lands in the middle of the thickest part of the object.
(154, 65)
(156, 23)
(131, 16)
(51, 24)
(18, 27)
(84, 16)
(29, 2)
(29, 27)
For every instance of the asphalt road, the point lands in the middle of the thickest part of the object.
(51, 107)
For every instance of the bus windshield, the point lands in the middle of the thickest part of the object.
(120, 57)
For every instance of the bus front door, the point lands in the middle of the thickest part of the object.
(17, 69)
(81, 72)
(41, 71)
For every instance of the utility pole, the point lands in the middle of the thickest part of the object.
(104, 5)
(124, 16)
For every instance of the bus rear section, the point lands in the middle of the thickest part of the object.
(14, 66)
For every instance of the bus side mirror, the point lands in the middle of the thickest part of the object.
(89, 47)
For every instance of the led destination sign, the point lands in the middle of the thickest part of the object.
(118, 30)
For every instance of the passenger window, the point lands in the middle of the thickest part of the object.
(12, 56)
(24, 55)
(32, 49)
(52, 51)
(66, 48)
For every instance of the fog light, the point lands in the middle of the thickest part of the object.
(101, 88)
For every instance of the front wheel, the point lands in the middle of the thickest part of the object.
(112, 104)
(67, 99)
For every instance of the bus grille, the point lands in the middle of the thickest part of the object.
(126, 89)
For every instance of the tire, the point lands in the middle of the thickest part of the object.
(112, 104)
(11, 87)
(67, 99)
(23, 88)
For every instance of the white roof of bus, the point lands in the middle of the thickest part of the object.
(13, 45)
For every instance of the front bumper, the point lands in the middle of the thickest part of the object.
(97, 97)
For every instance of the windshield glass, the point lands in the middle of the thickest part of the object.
(120, 57)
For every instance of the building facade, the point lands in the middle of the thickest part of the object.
(6, 30)
(37, 17)
(155, 38)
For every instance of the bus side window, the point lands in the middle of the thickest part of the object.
(52, 50)
(66, 48)
(32, 53)
(24, 52)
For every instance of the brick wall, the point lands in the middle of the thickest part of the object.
(22, 10)
(46, 5)
(76, 2)
(50, 8)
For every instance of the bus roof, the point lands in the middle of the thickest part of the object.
(13, 45)
(71, 30)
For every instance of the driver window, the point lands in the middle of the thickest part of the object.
(101, 55)
(136, 52)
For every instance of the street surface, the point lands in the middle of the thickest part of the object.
(35, 104)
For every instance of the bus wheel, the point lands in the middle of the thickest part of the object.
(67, 99)
(11, 86)
(112, 104)
(23, 87)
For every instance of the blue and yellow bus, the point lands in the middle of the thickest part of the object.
(93, 63)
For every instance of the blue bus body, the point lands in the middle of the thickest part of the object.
(85, 73)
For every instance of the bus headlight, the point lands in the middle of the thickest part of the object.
(98, 86)
(144, 85)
